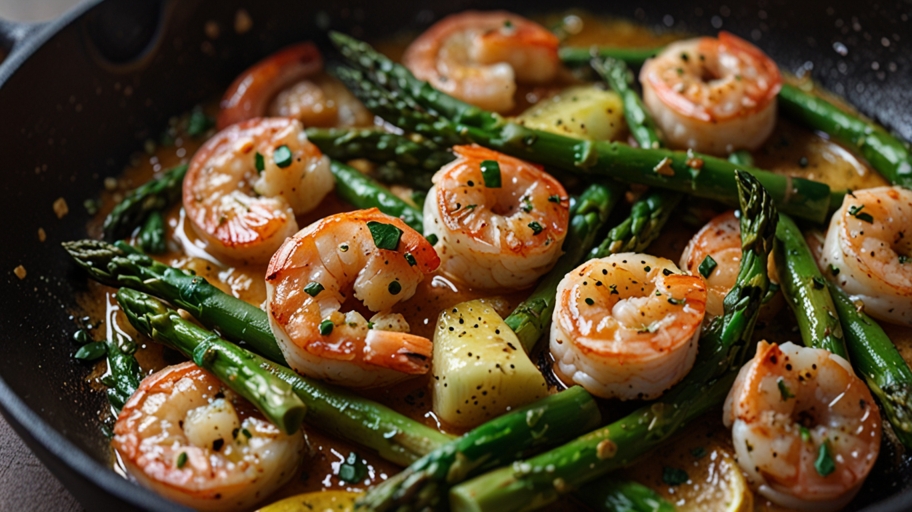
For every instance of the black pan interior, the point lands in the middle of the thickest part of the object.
(83, 93)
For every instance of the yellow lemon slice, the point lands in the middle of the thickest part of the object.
(326, 501)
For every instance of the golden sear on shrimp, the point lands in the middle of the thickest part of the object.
(868, 251)
(479, 56)
(363, 255)
(805, 428)
(500, 221)
(196, 442)
(626, 326)
(245, 185)
(713, 95)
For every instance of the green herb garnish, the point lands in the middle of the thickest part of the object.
(326, 327)
(181, 460)
(259, 162)
(91, 351)
(824, 463)
(536, 227)
(855, 211)
(313, 288)
(707, 266)
(410, 259)
(282, 156)
(386, 236)
(784, 390)
(353, 469)
(490, 172)
(674, 476)
(394, 288)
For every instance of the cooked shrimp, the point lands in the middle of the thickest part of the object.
(720, 241)
(242, 212)
(500, 231)
(626, 326)
(363, 255)
(868, 252)
(712, 95)
(479, 56)
(791, 406)
(291, 83)
(189, 438)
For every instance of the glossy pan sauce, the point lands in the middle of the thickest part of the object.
(704, 450)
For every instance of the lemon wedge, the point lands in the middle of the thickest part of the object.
(325, 501)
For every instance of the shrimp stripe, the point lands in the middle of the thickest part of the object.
(698, 175)
(364, 192)
(876, 358)
(550, 421)
(889, 155)
(805, 290)
(239, 369)
(633, 57)
(542, 479)
(589, 214)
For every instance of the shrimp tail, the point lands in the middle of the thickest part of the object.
(406, 353)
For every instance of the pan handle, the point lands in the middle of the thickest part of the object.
(13, 34)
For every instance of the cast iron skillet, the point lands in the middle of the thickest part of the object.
(78, 95)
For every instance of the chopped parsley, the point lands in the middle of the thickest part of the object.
(707, 266)
(856, 211)
(527, 205)
(698, 452)
(313, 288)
(91, 351)
(674, 476)
(353, 469)
(410, 259)
(834, 269)
(675, 302)
(282, 156)
(805, 433)
(554, 199)
(536, 227)
(784, 390)
(819, 283)
(903, 259)
(824, 463)
(326, 327)
(259, 162)
(386, 236)
(432, 239)
(198, 123)
(394, 287)
(490, 171)
(181, 460)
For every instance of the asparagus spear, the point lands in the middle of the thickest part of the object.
(154, 195)
(590, 212)
(362, 191)
(622, 496)
(548, 422)
(890, 156)
(805, 290)
(647, 217)
(634, 57)
(152, 233)
(699, 175)
(412, 153)
(742, 158)
(119, 265)
(875, 357)
(335, 411)
(540, 480)
(241, 370)
(615, 73)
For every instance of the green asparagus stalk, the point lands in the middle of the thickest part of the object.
(590, 214)
(622, 496)
(890, 156)
(119, 265)
(335, 411)
(616, 74)
(154, 195)
(875, 357)
(699, 175)
(548, 422)
(724, 347)
(152, 234)
(411, 153)
(741, 158)
(805, 290)
(123, 375)
(647, 217)
(239, 369)
(362, 191)
(633, 57)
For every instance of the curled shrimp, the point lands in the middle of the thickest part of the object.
(245, 185)
(713, 95)
(805, 428)
(189, 438)
(479, 56)
(335, 260)
(867, 251)
(718, 244)
(291, 83)
(626, 326)
(504, 233)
